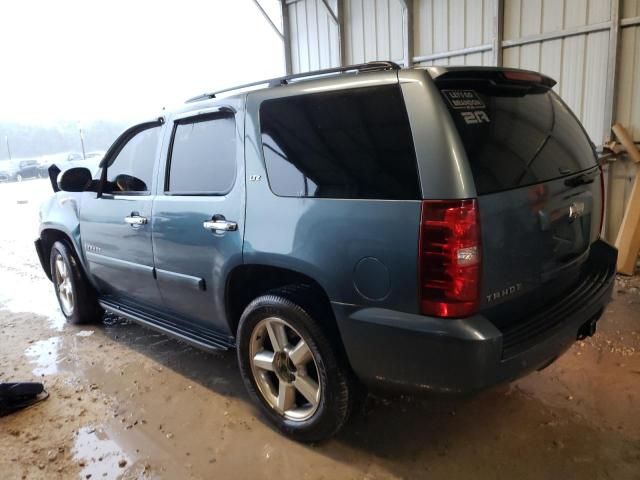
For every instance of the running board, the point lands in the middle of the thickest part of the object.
(203, 339)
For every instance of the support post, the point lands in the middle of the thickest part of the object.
(609, 114)
(342, 43)
(84, 154)
(612, 70)
(407, 14)
(6, 139)
(498, 31)
(286, 37)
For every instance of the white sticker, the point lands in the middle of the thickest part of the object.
(473, 118)
(463, 99)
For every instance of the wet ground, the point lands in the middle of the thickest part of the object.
(126, 402)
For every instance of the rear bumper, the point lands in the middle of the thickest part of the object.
(413, 352)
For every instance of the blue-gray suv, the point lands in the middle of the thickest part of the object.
(433, 229)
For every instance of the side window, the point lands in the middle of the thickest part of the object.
(132, 169)
(354, 143)
(203, 156)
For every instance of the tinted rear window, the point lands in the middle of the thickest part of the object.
(516, 136)
(353, 143)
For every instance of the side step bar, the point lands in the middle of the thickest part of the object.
(203, 339)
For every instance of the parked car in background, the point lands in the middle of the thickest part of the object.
(8, 170)
(433, 229)
(97, 155)
(17, 170)
(63, 161)
(28, 169)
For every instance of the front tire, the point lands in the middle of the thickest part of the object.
(75, 295)
(291, 369)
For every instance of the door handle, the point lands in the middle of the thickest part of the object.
(220, 225)
(135, 220)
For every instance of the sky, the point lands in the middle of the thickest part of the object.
(124, 60)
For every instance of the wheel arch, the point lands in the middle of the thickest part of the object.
(52, 234)
(249, 281)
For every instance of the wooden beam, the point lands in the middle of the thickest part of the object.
(628, 241)
(627, 142)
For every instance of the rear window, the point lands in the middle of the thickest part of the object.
(516, 135)
(352, 143)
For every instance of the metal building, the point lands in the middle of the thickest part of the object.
(591, 47)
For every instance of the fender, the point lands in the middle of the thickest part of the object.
(61, 213)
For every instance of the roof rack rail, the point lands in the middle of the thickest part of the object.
(274, 82)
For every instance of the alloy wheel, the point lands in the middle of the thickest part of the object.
(64, 286)
(284, 369)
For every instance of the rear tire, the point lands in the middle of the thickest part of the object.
(299, 380)
(76, 297)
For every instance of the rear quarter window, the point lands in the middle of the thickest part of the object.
(353, 143)
(516, 136)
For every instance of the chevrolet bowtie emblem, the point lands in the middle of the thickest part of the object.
(576, 210)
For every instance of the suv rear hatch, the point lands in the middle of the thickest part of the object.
(539, 188)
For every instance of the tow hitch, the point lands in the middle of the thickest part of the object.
(589, 328)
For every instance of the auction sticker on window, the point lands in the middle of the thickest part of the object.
(463, 99)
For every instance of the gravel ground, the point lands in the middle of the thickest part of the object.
(126, 402)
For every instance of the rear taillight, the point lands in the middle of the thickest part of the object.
(602, 201)
(450, 260)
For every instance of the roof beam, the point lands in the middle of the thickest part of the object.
(268, 19)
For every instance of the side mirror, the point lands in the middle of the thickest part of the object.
(75, 179)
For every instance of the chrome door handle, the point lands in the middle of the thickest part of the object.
(134, 220)
(222, 225)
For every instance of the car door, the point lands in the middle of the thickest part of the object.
(198, 220)
(115, 225)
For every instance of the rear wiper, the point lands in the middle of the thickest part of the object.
(584, 179)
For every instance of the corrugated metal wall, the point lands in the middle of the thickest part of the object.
(578, 63)
(457, 32)
(314, 35)
(628, 105)
(441, 28)
(373, 30)
(621, 172)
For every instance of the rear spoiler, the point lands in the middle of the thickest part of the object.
(495, 74)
